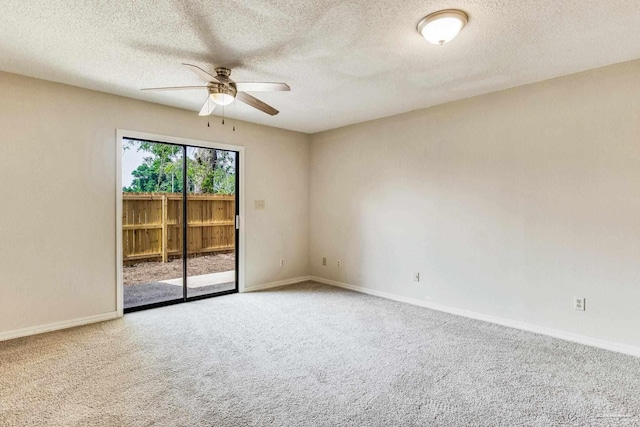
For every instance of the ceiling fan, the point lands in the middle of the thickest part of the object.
(223, 90)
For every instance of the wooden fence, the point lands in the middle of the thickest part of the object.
(152, 225)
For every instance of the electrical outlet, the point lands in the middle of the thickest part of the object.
(281, 263)
(324, 261)
(259, 205)
(416, 277)
(339, 264)
(579, 304)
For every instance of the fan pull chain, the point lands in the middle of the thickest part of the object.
(223, 115)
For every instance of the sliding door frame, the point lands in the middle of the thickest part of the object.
(122, 134)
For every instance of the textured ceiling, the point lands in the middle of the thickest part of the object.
(346, 62)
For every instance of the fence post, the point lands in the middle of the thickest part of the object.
(165, 237)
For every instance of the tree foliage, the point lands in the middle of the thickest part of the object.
(208, 171)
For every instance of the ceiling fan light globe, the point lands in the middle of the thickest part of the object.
(442, 27)
(222, 98)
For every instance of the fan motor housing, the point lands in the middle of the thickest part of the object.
(223, 89)
(223, 72)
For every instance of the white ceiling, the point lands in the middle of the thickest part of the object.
(346, 62)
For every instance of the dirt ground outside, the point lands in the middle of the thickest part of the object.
(148, 272)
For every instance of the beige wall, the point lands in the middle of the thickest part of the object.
(508, 204)
(57, 192)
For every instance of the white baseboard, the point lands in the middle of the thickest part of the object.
(567, 336)
(276, 284)
(34, 330)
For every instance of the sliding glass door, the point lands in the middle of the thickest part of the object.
(178, 223)
(211, 221)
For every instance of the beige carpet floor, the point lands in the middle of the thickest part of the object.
(310, 355)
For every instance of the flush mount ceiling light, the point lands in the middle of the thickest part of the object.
(443, 26)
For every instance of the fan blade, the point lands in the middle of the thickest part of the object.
(256, 103)
(207, 108)
(175, 88)
(262, 87)
(204, 75)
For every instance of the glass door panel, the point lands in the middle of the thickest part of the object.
(211, 216)
(152, 217)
